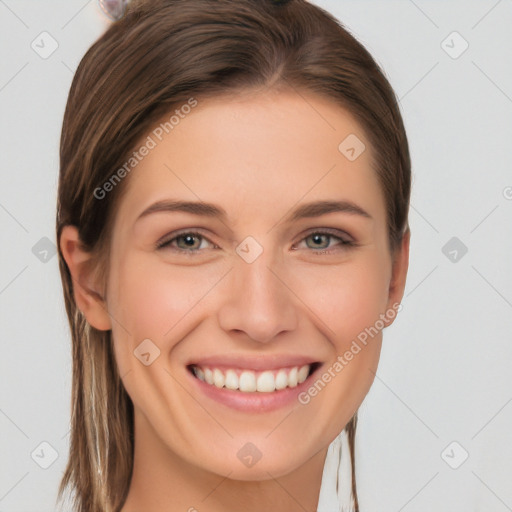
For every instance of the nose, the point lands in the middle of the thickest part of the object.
(258, 301)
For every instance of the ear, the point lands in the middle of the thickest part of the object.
(85, 290)
(399, 274)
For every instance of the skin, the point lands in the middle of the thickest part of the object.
(257, 155)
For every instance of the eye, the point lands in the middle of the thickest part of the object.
(194, 242)
(186, 241)
(321, 241)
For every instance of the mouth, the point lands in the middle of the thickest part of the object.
(245, 381)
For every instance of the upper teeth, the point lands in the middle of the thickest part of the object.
(248, 381)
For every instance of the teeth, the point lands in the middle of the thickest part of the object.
(281, 379)
(302, 374)
(292, 377)
(218, 378)
(265, 382)
(248, 381)
(231, 381)
(208, 375)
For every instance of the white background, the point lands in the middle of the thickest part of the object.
(445, 373)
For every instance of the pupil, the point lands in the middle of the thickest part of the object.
(317, 239)
(188, 240)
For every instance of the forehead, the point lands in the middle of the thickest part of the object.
(255, 152)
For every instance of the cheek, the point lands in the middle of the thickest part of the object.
(348, 302)
(347, 299)
(160, 302)
(151, 298)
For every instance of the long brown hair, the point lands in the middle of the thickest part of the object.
(158, 56)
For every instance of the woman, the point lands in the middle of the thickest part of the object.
(233, 238)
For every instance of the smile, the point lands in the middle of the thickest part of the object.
(248, 381)
(254, 384)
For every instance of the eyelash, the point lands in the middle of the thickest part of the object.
(344, 243)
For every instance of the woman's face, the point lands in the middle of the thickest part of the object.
(255, 284)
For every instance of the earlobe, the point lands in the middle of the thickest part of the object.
(399, 274)
(85, 290)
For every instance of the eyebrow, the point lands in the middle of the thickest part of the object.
(196, 208)
(308, 210)
(318, 208)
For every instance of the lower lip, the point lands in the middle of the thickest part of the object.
(255, 402)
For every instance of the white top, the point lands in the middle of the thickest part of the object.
(337, 473)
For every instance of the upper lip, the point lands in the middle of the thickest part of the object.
(255, 363)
